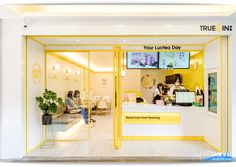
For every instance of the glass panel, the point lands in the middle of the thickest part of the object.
(70, 82)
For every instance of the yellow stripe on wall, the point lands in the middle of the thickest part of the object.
(182, 138)
(200, 138)
(212, 146)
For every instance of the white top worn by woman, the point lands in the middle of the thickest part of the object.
(175, 88)
(156, 92)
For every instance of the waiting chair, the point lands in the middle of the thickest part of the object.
(72, 113)
(108, 100)
(101, 106)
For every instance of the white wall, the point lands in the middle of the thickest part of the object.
(213, 120)
(0, 80)
(35, 55)
(131, 81)
(98, 88)
(60, 84)
(232, 94)
(12, 99)
(225, 101)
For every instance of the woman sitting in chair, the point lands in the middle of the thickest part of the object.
(72, 106)
(76, 98)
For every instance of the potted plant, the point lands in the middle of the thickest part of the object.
(48, 104)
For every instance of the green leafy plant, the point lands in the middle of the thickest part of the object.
(48, 102)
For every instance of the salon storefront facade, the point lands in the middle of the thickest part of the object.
(15, 33)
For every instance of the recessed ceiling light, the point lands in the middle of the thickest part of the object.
(77, 40)
(124, 40)
(168, 25)
(120, 25)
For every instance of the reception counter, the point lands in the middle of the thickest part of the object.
(150, 121)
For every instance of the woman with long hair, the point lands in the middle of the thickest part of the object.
(158, 93)
(72, 106)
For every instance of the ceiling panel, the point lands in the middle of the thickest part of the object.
(123, 10)
(102, 59)
(98, 60)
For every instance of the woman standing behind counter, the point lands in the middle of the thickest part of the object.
(176, 87)
(158, 93)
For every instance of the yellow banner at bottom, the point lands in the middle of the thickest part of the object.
(151, 118)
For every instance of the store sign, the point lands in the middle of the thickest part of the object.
(162, 47)
(216, 28)
(151, 118)
(36, 73)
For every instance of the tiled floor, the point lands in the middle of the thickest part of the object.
(101, 145)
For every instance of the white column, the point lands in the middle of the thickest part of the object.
(12, 98)
(232, 93)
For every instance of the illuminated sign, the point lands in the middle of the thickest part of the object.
(151, 118)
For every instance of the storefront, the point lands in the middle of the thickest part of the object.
(124, 63)
(138, 67)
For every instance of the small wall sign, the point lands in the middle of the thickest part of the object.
(151, 118)
(36, 73)
(216, 28)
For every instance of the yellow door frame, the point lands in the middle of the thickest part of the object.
(117, 91)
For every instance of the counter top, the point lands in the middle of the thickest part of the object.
(141, 107)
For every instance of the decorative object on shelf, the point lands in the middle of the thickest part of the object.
(68, 70)
(147, 81)
(104, 83)
(123, 73)
(129, 97)
(56, 67)
(67, 74)
(48, 105)
(36, 73)
(76, 75)
(54, 72)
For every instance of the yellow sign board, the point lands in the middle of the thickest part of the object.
(151, 118)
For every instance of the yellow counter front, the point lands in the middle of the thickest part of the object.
(150, 121)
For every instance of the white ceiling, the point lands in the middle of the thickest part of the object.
(123, 10)
(102, 59)
(99, 61)
(113, 40)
